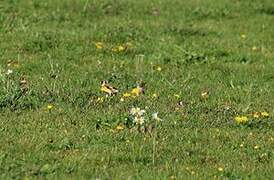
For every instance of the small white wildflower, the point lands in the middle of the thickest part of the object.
(141, 112)
(155, 116)
(139, 120)
(133, 111)
(9, 71)
(137, 112)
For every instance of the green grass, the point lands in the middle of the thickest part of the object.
(199, 46)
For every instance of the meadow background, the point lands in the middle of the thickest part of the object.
(202, 63)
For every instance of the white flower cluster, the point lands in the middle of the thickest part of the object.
(139, 116)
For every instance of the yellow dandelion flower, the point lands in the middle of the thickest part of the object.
(159, 68)
(265, 114)
(241, 119)
(154, 95)
(121, 48)
(50, 107)
(243, 36)
(220, 169)
(256, 147)
(120, 127)
(99, 45)
(205, 94)
(256, 115)
(126, 95)
(100, 99)
(118, 48)
(137, 91)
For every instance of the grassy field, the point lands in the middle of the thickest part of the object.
(205, 66)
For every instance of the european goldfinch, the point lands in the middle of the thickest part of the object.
(107, 88)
